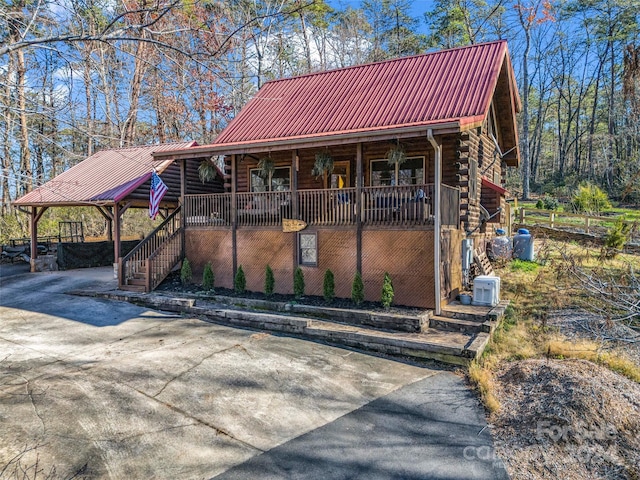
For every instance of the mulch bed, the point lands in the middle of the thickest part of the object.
(173, 284)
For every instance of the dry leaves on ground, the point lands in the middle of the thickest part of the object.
(567, 419)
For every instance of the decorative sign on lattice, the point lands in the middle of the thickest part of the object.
(292, 225)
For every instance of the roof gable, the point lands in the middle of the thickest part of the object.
(450, 86)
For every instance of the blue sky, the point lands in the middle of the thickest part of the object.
(419, 7)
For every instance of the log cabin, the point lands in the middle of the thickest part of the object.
(383, 167)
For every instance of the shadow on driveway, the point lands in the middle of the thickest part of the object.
(431, 429)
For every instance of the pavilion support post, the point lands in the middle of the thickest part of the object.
(108, 216)
(116, 241)
(359, 207)
(34, 218)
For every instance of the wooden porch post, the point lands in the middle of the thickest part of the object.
(294, 202)
(359, 183)
(34, 218)
(116, 228)
(234, 219)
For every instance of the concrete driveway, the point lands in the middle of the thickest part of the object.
(106, 389)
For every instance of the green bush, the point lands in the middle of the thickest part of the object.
(357, 289)
(240, 281)
(269, 282)
(329, 286)
(589, 198)
(208, 278)
(616, 238)
(298, 283)
(387, 291)
(185, 272)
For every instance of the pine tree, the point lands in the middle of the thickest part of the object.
(387, 291)
(185, 272)
(208, 278)
(298, 283)
(269, 282)
(329, 287)
(240, 282)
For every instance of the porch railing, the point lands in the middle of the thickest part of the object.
(153, 258)
(328, 207)
(207, 210)
(262, 209)
(405, 205)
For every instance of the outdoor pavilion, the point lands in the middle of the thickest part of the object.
(113, 181)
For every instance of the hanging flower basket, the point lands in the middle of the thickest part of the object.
(396, 155)
(266, 167)
(324, 163)
(207, 171)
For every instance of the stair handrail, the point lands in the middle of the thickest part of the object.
(150, 236)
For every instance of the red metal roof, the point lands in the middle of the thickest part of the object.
(105, 177)
(496, 188)
(447, 86)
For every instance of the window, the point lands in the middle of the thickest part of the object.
(339, 178)
(411, 172)
(308, 243)
(278, 181)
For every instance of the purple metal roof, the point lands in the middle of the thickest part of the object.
(105, 177)
(448, 86)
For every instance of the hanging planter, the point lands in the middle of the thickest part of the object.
(207, 171)
(266, 167)
(396, 155)
(324, 163)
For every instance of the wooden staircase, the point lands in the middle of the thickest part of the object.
(149, 263)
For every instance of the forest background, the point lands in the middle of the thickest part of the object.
(81, 76)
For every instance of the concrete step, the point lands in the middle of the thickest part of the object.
(445, 346)
(133, 288)
(410, 322)
(456, 324)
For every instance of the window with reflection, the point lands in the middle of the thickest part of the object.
(410, 172)
(278, 181)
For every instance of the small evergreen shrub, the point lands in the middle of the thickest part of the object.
(589, 198)
(616, 238)
(208, 277)
(357, 289)
(298, 283)
(329, 286)
(387, 291)
(185, 272)
(240, 281)
(548, 202)
(269, 282)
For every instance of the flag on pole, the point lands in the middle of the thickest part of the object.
(156, 192)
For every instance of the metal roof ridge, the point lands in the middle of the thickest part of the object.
(378, 62)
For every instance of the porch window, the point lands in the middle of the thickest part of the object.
(411, 172)
(278, 181)
(308, 254)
